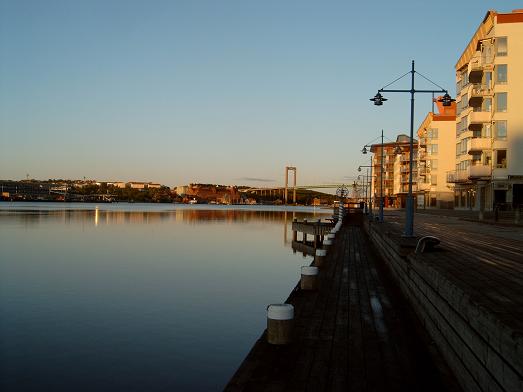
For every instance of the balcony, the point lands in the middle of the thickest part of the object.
(475, 68)
(479, 171)
(479, 144)
(476, 93)
(405, 188)
(473, 172)
(424, 186)
(475, 118)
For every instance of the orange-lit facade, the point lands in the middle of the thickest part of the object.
(395, 171)
(436, 157)
(488, 168)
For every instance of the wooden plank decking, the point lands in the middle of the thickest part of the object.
(355, 333)
(486, 261)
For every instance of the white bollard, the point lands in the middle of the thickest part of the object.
(319, 258)
(309, 278)
(280, 320)
(331, 236)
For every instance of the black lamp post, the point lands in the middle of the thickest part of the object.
(378, 100)
(364, 151)
(368, 186)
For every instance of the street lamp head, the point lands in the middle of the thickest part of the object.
(378, 99)
(359, 168)
(446, 100)
(364, 150)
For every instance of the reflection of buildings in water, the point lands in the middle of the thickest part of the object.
(100, 217)
(193, 215)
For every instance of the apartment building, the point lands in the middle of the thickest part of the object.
(401, 170)
(395, 171)
(142, 185)
(436, 157)
(489, 124)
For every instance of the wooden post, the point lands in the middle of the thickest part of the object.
(280, 323)
(319, 258)
(304, 233)
(309, 278)
(327, 244)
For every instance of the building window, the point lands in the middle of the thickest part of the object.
(434, 179)
(487, 105)
(487, 157)
(432, 149)
(432, 133)
(486, 130)
(434, 164)
(501, 73)
(501, 129)
(501, 159)
(501, 46)
(501, 102)
(476, 158)
(488, 80)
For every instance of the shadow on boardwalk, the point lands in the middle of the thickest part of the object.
(355, 333)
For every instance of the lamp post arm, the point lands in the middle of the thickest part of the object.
(415, 91)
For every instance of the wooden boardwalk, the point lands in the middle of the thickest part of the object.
(485, 261)
(355, 333)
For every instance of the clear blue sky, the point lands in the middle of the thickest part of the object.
(214, 91)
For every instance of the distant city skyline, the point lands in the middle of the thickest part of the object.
(214, 92)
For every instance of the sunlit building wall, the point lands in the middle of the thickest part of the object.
(436, 157)
(489, 125)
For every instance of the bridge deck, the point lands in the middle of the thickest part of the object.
(356, 332)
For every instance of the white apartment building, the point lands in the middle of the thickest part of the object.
(489, 125)
(436, 157)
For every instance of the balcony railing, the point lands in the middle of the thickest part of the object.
(475, 65)
(479, 118)
(423, 172)
(476, 93)
(424, 186)
(473, 172)
(479, 144)
(479, 171)
(405, 188)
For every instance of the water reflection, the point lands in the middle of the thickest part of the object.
(133, 298)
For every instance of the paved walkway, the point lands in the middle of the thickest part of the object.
(355, 333)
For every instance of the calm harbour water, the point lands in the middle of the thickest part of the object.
(137, 297)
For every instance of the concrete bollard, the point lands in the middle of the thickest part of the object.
(319, 258)
(331, 236)
(280, 323)
(327, 244)
(309, 278)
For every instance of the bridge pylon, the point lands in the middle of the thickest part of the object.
(287, 170)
